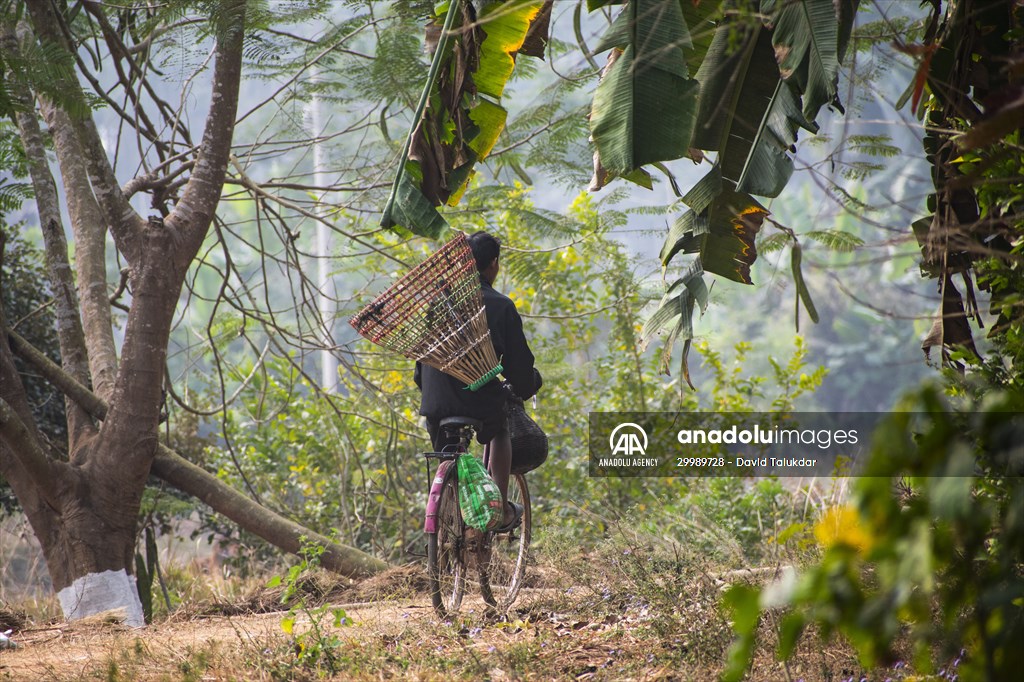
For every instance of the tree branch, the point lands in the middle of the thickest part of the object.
(125, 224)
(191, 217)
(26, 451)
(37, 502)
(258, 190)
(89, 401)
(69, 325)
(259, 520)
(90, 252)
(158, 32)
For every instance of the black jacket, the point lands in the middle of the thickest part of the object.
(445, 396)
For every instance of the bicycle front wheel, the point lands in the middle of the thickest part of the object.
(503, 558)
(446, 550)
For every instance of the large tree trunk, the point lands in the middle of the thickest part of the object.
(79, 535)
(84, 510)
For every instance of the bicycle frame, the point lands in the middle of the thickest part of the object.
(499, 558)
(447, 458)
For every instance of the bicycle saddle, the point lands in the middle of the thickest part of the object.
(461, 421)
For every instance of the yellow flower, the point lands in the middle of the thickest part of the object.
(394, 381)
(522, 298)
(842, 526)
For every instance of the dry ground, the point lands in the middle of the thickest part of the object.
(213, 646)
(555, 632)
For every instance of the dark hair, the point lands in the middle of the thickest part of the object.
(486, 247)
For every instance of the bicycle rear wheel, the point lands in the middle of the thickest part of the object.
(446, 550)
(502, 559)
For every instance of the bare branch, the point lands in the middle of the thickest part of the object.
(125, 224)
(305, 67)
(158, 32)
(192, 215)
(252, 185)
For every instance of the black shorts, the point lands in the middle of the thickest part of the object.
(491, 429)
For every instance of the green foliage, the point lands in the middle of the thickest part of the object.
(398, 66)
(939, 563)
(764, 74)
(13, 194)
(998, 174)
(747, 114)
(720, 226)
(316, 648)
(676, 308)
(646, 104)
(873, 145)
(746, 515)
(836, 240)
(37, 67)
(736, 390)
(25, 297)
(455, 125)
(145, 573)
(350, 461)
(12, 154)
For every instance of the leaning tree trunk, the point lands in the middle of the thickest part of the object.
(195, 481)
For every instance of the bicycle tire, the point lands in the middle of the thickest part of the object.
(446, 550)
(502, 560)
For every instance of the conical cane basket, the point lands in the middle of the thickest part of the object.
(435, 314)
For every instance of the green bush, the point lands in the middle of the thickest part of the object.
(930, 550)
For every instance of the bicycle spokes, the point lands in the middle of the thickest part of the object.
(502, 558)
(446, 551)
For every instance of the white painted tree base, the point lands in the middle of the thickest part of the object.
(99, 592)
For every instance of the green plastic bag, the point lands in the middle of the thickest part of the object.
(479, 497)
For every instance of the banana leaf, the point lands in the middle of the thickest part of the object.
(644, 107)
(506, 25)
(747, 113)
(806, 41)
(456, 126)
(721, 225)
(675, 313)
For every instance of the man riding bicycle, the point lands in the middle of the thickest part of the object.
(445, 396)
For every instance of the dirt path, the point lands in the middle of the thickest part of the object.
(555, 632)
(76, 651)
(255, 647)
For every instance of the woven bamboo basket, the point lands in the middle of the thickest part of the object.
(435, 314)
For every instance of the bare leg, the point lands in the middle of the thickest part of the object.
(499, 465)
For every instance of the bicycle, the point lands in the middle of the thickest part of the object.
(452, 546)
